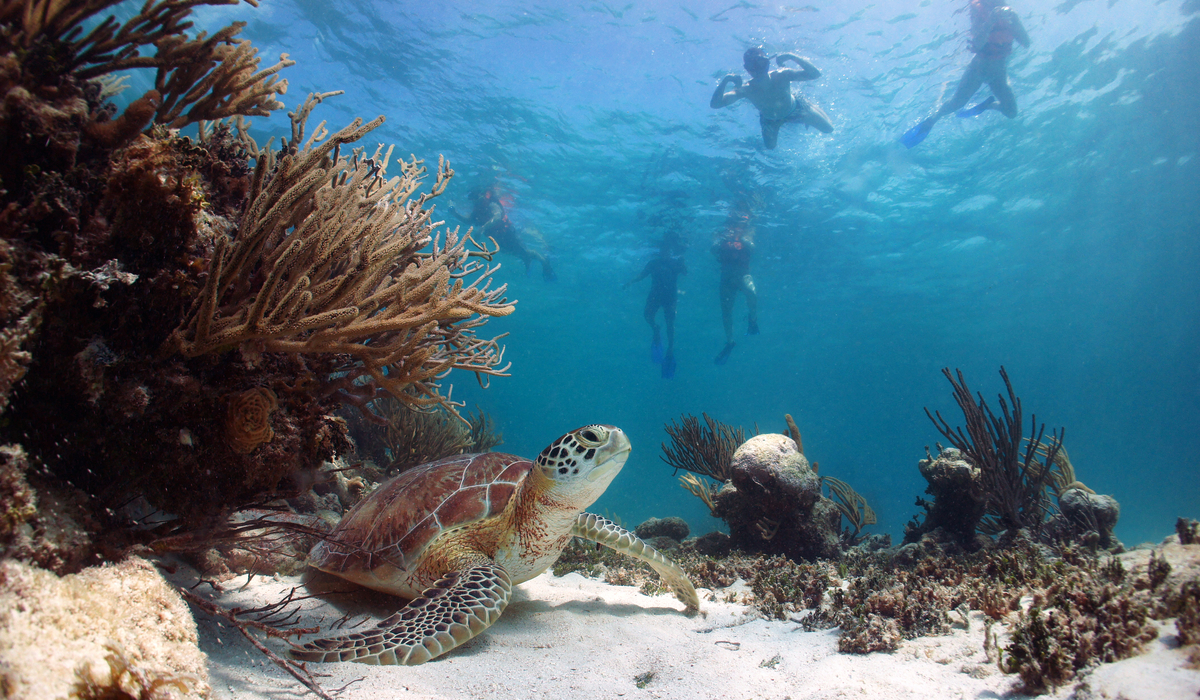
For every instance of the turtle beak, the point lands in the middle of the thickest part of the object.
(618, 449)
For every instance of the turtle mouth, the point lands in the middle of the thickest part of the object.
(609, 466)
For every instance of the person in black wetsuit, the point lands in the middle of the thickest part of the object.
(491, 221)
(664, 271)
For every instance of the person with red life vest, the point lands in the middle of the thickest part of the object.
(733, 249)
(490, 220)
(771, 92)
(994, 27)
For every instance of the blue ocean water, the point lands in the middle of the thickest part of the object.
(1062, 244)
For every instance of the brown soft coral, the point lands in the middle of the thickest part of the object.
(248, 419)
(123, 129)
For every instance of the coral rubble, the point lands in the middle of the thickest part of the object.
(111, 631)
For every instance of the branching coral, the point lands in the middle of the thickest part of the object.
(853, 507)
(1015, 484)
(332, 258)
(706, 450)
(405, 436)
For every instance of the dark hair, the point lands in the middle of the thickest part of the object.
(756, 60)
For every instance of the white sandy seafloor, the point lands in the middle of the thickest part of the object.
(576, 637)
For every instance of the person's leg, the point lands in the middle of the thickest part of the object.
(547, 273)
(728, 289)
(669, 322)
(668, 368)
(998, 83)
(751, 304)
(770, 132)
(650, 310)
(968, 85)
(813, 116)
(652, 304)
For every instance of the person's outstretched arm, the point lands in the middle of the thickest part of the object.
(458, 214)
(807, 70)
(720, 98)
(1018, 29)
(639, 278)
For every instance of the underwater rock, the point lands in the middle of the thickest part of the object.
(1091, 513)
(714, 544)
(773, 502)
(959, 499)
(47, 525)
(117, 630)
(673, 527)
(663, 543)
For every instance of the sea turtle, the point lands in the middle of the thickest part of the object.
(456, 534)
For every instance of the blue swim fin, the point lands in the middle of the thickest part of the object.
(977, 109)
(668, 367)
(656, 352)
(916, 134)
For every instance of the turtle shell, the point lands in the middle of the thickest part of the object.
(396, 524)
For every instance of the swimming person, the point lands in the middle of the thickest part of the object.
(490, 219)
(664, 271)
(733, 249)
(993, 29)
(771, 92)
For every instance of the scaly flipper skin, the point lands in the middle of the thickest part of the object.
(459, 606)
(597, 529)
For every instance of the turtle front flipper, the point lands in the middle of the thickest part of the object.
(592, 527)
(457, 607)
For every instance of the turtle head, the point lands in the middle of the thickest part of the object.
(585, 460)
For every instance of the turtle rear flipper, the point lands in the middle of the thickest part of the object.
(457, 607)
(592, 527)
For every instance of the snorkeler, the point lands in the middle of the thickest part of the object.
(771, 92)
(491, 220)
(733, 249)
(993, 30)
(664, 271)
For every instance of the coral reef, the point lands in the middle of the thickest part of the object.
(773, 503)
(410, 436)
(330, 260)
(1015, 484)
(1075, 622)
(959, 501)
(212, 314)
(986, 484)
(44, 522)
(703, 451)
(112, 631)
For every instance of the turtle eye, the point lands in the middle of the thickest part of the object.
(591, 436)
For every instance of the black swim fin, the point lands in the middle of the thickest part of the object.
(723, 356)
